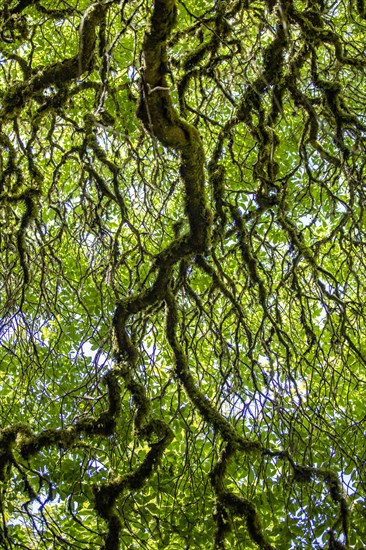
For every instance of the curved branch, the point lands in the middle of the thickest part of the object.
(160, 118)
(62, 71)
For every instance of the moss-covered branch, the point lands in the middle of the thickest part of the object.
(236, 505)
(60, 72)
(160, 118)
(200, 401)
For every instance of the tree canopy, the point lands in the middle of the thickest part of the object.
(182, 248)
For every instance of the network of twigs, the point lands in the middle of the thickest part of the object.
(182, 271)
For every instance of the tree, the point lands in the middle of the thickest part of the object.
(182, 274)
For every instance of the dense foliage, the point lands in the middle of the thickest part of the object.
(182, 248)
